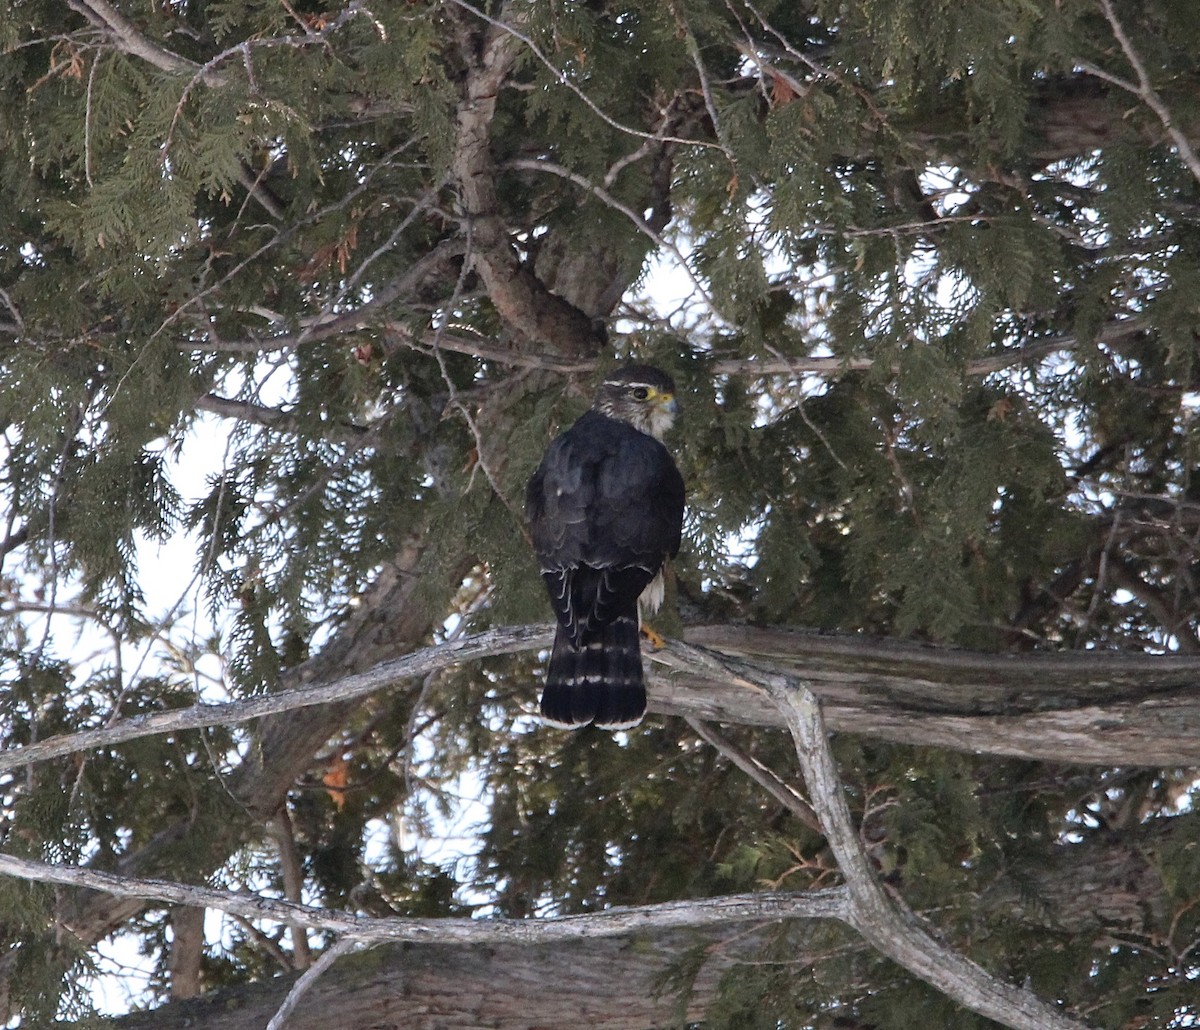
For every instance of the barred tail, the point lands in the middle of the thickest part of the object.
(600, 682)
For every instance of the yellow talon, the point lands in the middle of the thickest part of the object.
(656, 640)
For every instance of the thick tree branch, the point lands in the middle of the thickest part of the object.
(520, 297)
(1086, 707)
(187, 951)
(611, 983)
(1091, 708)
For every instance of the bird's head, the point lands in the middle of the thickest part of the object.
(641, 395)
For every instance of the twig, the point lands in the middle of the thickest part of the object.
(87, 119)
(564, 80)
(310, 976)
(420, 205)
(609, 200)
(813, 427)
(456, 401)
(323, 326)
(830, 366)
(18, 323)
(782, 792)
(282, 236)
(693, 49)
(1144, 89)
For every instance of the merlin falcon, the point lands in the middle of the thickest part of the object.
(605, 510)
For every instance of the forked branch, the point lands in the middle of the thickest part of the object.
(885, 921)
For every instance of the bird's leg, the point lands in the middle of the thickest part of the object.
(655, 639)
(649, 602)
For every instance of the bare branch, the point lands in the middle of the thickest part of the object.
(885, 921)
(1090, 708)
(485, 351)
(763, 907)
(782, 792)
(380, 677)
(1144, 89)
(881, 918)
(18, 323)
(1085, 707)
(103, 15)
(310, 977)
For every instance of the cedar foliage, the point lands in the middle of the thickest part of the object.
(265, 220)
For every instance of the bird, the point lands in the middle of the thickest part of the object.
(605, 512)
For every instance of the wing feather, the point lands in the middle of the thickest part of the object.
(605, 509)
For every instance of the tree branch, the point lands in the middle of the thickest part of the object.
(324, 326)
(614, 922)
(1144, 90)
(1086, 707)
(521, 298)
(546, 167)
(512, 30)
(782, 792)
(310, 977)
(1090, 708)
(385, 674)
(884, 920)
(612, 983)
(245, 411)
(828, 366)
(129, 40)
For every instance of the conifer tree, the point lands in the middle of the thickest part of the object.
(350, 269)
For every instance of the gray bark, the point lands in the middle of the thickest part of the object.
(610, 984)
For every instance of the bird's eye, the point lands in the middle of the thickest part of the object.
(641, 393)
